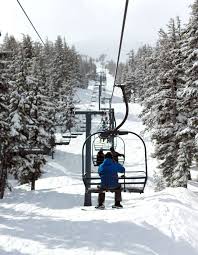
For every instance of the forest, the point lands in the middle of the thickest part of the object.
(164, 80)
(37, 85)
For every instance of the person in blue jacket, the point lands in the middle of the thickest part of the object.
(108, 172)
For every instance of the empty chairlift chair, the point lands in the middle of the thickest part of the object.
(63, 139)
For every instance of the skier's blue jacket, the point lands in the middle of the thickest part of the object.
(108, 172)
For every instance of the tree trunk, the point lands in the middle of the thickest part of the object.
(2, 183)
(33, 181)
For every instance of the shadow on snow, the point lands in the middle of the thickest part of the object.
(97, 235)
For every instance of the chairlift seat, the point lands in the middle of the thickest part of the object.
(69, 136)
(134, 183)
(28, 151)
(76, 133)
(103, 144)
(130, 190)
(62, 143)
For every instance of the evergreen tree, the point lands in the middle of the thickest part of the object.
(168, 123)
(189, 94)
(87, 70)
(131, 88)
(4, 124)
(111, 66)
(24, 159)
(162, 106)
(149, 103)
(9, 44)
(36, 90)
(18, 116)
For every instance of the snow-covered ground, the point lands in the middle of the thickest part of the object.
(50, 220)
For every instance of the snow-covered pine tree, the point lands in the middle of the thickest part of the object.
(87, 69)
(74, 67)
(149, 111)
(41, 128)
(48, 54)
(168, 124)
(56, 77)
(83, 71)
(19, 116)
(181, 172)
(45, 102)
(126, 82)
(9, 44)
(23, 160)
(111, 66)
(189, 94)
(196, 144)
(92, 69)
(58, 71)
(70, 115)
(164, 133)
(158, 181)
(63, 77)
(141, 71)
(121, 73)
(4, 124)
(129, 79)
(151, 97)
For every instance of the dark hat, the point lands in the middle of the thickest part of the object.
(108, 155)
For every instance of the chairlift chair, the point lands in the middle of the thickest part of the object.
(69, 136)
(62, 139)
(75, 131)
(132, 181)
(105, 145)
(82, 127)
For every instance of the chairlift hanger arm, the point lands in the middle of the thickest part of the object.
(127, 108)
(116, 72)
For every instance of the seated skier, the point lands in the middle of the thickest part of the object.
(115, 154)
(100, 157)
(108, 172)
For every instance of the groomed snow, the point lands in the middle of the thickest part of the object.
(50, 220)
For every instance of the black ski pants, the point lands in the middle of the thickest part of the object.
(118, 196)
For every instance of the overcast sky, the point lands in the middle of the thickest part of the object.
(93, 26)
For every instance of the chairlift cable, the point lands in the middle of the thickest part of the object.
(121, 39)
(31, 22)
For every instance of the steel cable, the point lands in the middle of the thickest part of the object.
(116, 71)
(31, 22)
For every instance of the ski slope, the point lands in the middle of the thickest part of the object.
(50, 220)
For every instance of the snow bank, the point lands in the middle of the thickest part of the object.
(50, 221)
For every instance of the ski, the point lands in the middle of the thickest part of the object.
(97, 209)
